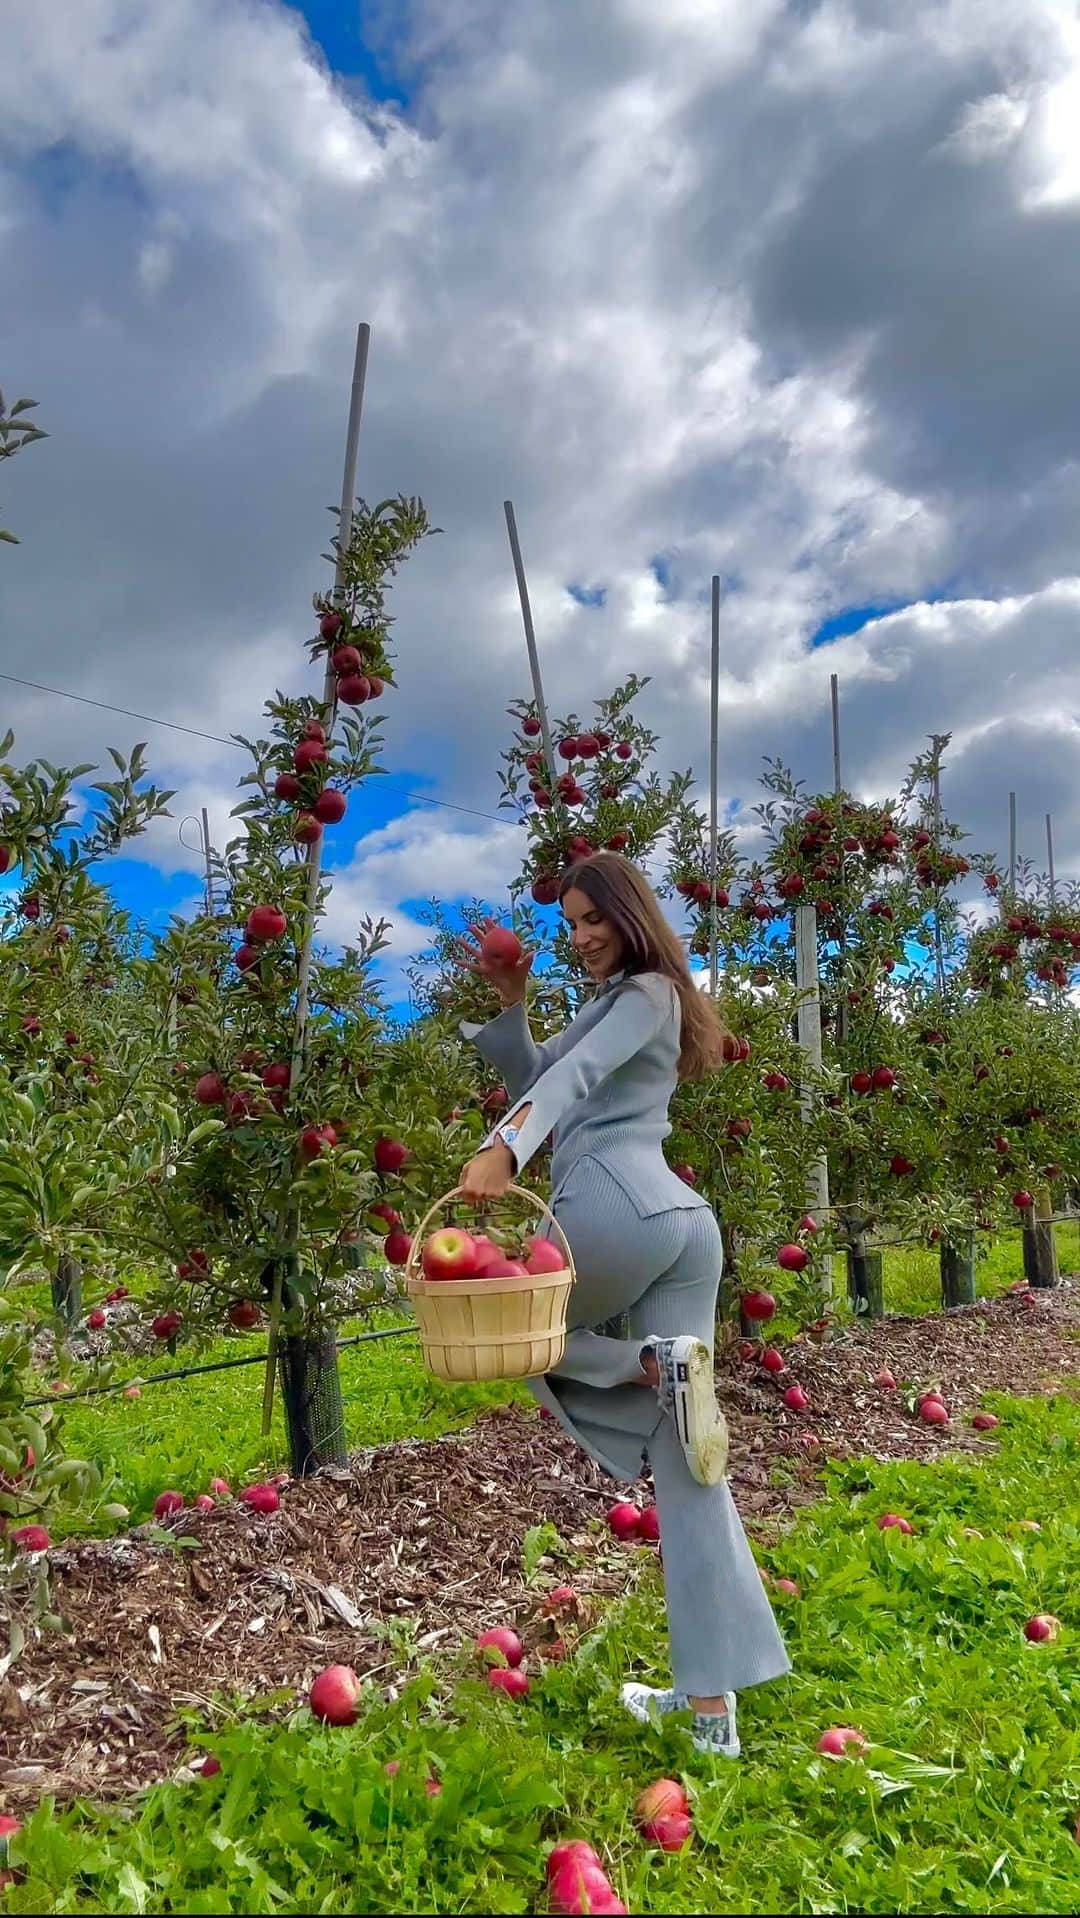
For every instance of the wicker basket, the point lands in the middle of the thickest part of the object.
(474, 1329)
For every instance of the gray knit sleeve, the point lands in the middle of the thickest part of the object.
(638, 1011)
(508, 1045)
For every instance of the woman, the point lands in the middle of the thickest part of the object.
(644, 1246)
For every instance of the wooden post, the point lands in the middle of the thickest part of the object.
(1040, 1248)
(314, 856)
(714, 778)
(530, 641)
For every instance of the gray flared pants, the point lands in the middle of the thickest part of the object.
(663, 1272)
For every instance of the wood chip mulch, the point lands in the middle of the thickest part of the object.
(417, 1546)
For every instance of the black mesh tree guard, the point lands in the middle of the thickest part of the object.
(67, 1291)
(865, 1286)
(958, 1272)
(311, 1395)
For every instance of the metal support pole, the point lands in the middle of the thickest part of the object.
(530, 641)
(714, 778)
(1012, 843)
(834, 694)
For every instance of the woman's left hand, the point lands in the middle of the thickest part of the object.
(488, 1176)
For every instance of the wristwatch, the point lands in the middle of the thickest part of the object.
(509, 1134)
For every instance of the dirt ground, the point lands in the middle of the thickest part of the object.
(385, 1564)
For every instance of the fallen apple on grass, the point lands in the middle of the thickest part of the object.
(649, 1525)
(885, 1380)
(788, 1586)
(624, 1521)
(836, 1742)
(500, 1644)
(509, 1679)
(204, 1502)
(892, 1522)
(335, 1695)
(985, 1421)
(260, 1498)
(795, 1398)
(933, 1412)
(671, 1833)
(30, 1538)
(166, 1503)
(1042, 1629)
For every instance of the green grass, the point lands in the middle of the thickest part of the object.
(911, 1275)
(963, 1803)
(181, 1434)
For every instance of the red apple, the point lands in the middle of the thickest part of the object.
(220, 1487)
(985, 1421)
(346, 660)
(663, 1799)
(793, 1258)
(807, 1224)
(933, 1412)
(671, 1833)
(796, 1398)
(396, 1247)
(166, 1503)
(758, 1305)
(500, 1267)
(133, 1391)
(330, 625)
(501, 946)
(504, 1678)
(1043, 1628)
(1022, 1200)
(776, 1082)
(331, 806)
(899, 1166)
(244, 1315)
(788, 1586)
(892, 1522)
(167, 1325)
(277, 1077)
(686, 1173)
(568, 747)
(545, 1256)
(575, 1852)
(835, 1742)
(649, 1526)
(504, 1643)
(862, 1082)
(885, 1379)
(335, 1696)
(558, 1597)
(204, 1502)
(353, 689)
(96, 1319)
(310, 752)
(30, 1538)
(772, 1360)
(261, 1498)
(449, 1253)
(317, 1139)
(265, 923)
(883, 1077)
(210, 1089)
(390, 1155)
(624, 1520)
(307, 830)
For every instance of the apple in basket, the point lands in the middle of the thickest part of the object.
(450, 1253)
(545, 1256)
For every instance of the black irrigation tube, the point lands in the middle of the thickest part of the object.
(195, 1371)
(365, 1338)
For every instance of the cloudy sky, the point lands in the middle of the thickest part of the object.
(785, 290)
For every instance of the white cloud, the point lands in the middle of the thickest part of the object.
(784, 293)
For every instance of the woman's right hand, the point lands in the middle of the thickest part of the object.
(508, 981)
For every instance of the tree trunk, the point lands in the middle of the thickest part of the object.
(1040, 1251)
(958, 1272)
(67, 1291)
(865, 1289)
(311, 1393)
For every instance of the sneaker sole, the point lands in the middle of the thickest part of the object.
(701, 1425)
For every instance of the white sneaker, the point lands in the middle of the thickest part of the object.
(687, 1392)
(714, 1733)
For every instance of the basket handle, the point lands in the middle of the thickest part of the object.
(519, 1192)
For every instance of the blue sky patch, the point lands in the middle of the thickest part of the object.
(587, 595)
(338, 27)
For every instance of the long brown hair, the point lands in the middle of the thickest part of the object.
(622, 893)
